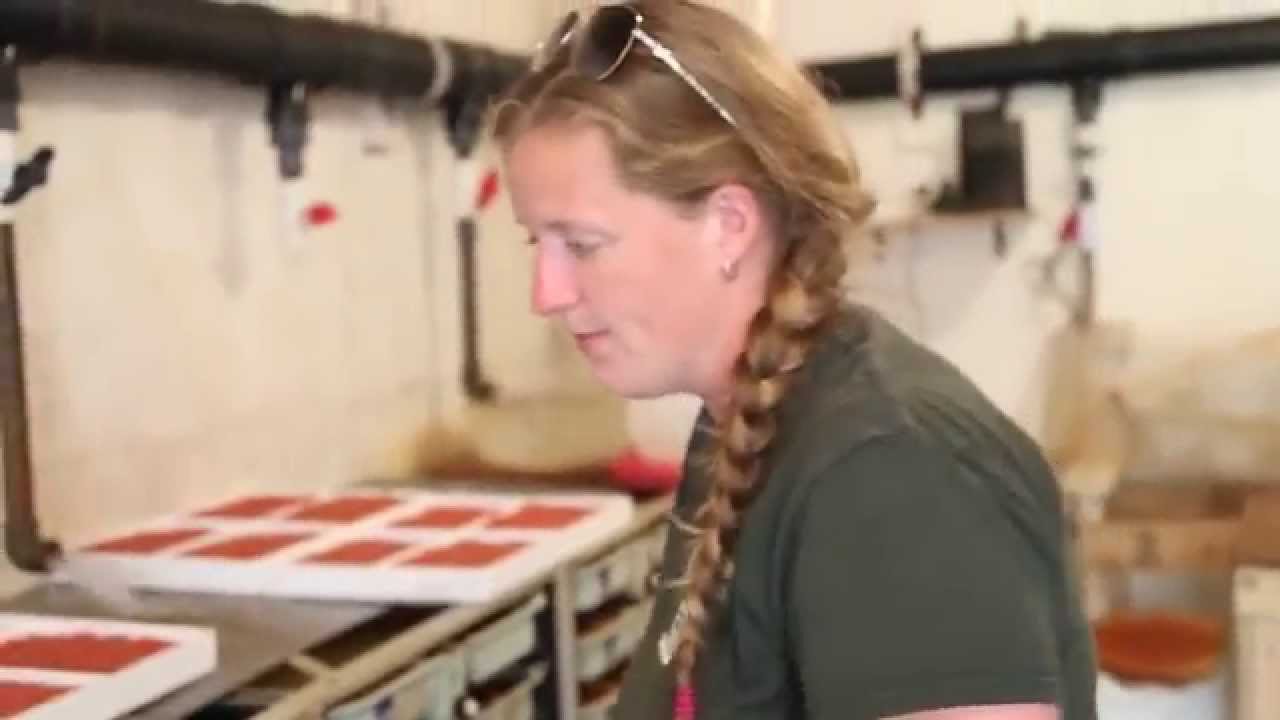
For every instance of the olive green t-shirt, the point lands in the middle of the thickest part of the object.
(907, 552)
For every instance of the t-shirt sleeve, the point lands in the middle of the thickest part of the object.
(910, 589)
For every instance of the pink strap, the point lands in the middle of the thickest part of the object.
(685, 704)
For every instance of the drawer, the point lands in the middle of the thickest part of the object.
(513, 701)
(430, 690)
(503, 642)
(608, 577)
(610, 638)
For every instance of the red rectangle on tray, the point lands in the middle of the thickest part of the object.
(358, 552)
(248, 547)
(343, 510)
(17, 698)
(539, 516)
(252, 507)
(445, 517)
(144, 543)
(77, 652)
(468, 553)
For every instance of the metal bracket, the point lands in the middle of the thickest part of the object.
(1086, 98)
(289, 120)
(28, 176)
(910, 84)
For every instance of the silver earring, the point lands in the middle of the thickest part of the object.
(729, 270)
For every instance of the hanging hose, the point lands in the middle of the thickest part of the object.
(26, 548)
(465, 117)
(475, 382)
(1078, 237)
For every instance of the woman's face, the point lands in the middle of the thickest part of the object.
(636, 282)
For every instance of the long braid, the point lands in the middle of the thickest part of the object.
(804, 293)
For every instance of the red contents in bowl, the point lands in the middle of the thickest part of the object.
(1159, 646)
(248, 547)
(252, 507)
(537, 516)
(468, 553)
(358, 552)
(344, 510)
(77, 652)
(444, 517)
(16, 697)
(144, 543)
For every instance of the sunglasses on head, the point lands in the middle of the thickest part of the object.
(599, 48)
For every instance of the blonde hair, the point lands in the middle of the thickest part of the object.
(789, 151)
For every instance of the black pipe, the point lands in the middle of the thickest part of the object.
(1061, 58)
(250, 43)
(259, 45)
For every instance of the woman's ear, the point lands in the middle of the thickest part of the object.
(736, 220)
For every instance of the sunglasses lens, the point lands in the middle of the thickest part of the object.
(555, 42)
(606, 40)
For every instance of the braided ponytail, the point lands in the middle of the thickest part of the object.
(804, 293)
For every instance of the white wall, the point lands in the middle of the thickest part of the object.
(1185, 190)
(178, 348)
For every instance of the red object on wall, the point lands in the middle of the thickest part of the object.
(1069, 231)
(145, 543)
(358, 552)
(248, 547)
(343, 510)
(77, 652)
(538, 516)
(444, 517)
(17, 698)
(488, 190)
(320, 214)
(468, 553)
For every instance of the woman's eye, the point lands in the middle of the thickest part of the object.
(581, 249)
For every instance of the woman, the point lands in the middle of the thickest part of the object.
(860, 534)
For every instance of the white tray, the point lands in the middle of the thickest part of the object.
(297, 568)
(181, 654)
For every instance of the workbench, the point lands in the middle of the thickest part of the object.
(291, 660)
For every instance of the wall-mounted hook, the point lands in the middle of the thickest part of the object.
(1021, 31)
(910, 83)
(9, 98)
(10, 93)
(1086, 98)
(999, 238)
(289, 121)
(1021, 36)
(16, 178)
(26, 177)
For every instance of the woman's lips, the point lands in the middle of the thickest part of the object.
(589, 342)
